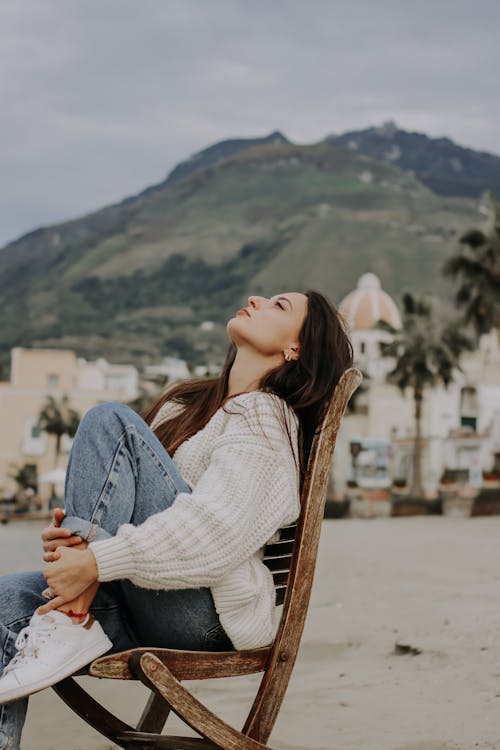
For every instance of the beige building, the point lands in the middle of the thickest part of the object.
(36, 374)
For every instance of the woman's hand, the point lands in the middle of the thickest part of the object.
(72, 572)
(54, 536)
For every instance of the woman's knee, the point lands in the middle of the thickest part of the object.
(109, 414)
(20, 595)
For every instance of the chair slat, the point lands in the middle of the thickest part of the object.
(283, 547)
(278, 563)
(280, 595)
(288, 532)
(280, 577)
(161, 742)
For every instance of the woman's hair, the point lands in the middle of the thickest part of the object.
(306, 384)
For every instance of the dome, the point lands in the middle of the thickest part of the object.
(368, 303)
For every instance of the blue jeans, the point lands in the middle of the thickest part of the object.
(118, 472)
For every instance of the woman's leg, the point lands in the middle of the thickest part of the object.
(119, 472)
(20, 595)
(191, 624)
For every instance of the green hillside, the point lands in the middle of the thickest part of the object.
(134, 281)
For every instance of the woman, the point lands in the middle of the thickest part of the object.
(169, 554)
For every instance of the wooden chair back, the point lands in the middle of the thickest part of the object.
(293, 562)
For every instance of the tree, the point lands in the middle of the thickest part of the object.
(148, 391)
(25, 476)
(58, 418)
(476, 267)
(425, 352)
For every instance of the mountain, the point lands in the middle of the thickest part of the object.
(442, 165)
(135, 281)
(220, 151)
(209, 156)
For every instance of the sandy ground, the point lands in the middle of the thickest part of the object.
(431, 582)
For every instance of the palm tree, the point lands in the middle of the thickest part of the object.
(425, 353)
(148, 392)
(25, 476)
(477, 268)
(58, 418)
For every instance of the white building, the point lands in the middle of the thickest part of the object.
(171, 368)
(122, 381)
(460, 424)
(362, 309)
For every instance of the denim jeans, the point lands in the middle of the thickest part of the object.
(118, 472)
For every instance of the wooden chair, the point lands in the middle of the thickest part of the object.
(292, 561)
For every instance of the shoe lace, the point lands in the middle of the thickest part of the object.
(27, 644)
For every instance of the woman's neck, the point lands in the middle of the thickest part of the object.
(247, 371)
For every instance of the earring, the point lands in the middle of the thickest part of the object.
(287, 357)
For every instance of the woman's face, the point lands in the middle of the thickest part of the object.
(272, 325)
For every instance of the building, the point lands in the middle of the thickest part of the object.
(170, 368)
(36, 374)
(460, 424)
(362, 309)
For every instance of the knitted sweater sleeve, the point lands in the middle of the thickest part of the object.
(248, 491)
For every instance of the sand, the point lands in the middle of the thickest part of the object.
(431, 583)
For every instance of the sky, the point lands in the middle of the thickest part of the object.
(101, 98)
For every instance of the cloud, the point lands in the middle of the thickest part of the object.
(102, 98)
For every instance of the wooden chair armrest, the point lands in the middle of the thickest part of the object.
(185, 665)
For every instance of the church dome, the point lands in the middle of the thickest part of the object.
(368, 303)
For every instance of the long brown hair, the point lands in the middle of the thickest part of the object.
(306, 384)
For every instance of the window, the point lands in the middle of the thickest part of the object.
(52, 381)
(468, 408)
(469, 423)
(35, 431)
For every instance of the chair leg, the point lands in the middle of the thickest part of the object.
(144, 737)
(153, 673)
(154, 715)
(90, 711)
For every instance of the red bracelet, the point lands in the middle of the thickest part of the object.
(70, 613)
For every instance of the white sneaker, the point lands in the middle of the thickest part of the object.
(49, 649)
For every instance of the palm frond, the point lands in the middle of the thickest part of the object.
(58, 417)
(425, 351)
(383, 325)
(474, 238)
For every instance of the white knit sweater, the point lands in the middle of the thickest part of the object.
(245, 485)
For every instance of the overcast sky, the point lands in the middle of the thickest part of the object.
(101, 98)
